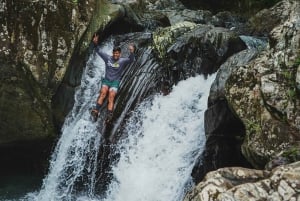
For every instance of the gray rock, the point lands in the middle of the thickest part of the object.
(203, 48)
(282, 183)
(263, 93)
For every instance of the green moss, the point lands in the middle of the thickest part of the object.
(24, 106)
(292, 154)
(287, 75)
(292, 94)
(253, 127)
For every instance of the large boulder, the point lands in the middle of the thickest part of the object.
(281, 183)
(188, 48)
(264, 93)
(24, 107)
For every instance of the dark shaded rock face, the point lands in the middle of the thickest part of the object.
(24, 113)
(25, 157)
(224, 130)
(225, 134)
(26, 128)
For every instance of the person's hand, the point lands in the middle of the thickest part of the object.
(131, 48)
(96, 39)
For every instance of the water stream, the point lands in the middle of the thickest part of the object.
(164, 136)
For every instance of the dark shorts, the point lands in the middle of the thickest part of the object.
(113, 85)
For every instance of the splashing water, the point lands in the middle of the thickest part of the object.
(164, 138)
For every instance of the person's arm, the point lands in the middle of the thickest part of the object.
(103, 55)
(130, 58)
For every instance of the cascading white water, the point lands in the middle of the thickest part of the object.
(75, 157)
(165, 136)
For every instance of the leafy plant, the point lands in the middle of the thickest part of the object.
(293, 154)
(253, 126)
(292, 94)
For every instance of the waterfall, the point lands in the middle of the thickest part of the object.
(165, 136)
(160, 143)
(74, 161)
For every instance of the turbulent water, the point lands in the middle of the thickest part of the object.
(165, 134)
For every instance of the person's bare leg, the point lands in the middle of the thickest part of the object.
(111, 99)
(103, 93)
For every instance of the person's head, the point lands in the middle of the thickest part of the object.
(116, 53)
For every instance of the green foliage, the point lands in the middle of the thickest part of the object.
(288, 76)
(292, 154)
(253, 127)
(292, 94)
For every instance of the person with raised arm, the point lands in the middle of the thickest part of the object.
(114, 66)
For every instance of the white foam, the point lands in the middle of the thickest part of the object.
(165, 137)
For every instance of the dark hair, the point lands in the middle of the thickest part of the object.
(117, 49)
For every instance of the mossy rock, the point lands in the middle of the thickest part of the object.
(24, 109)
(163, 38)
